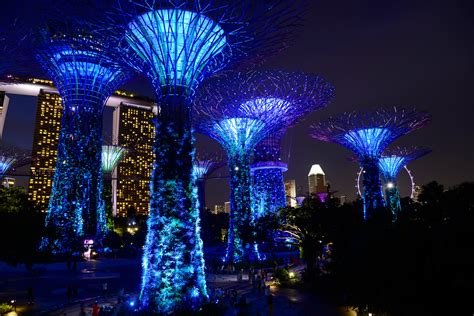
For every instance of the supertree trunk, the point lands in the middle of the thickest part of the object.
(268, 191)
(240, 246)
(76, 208)
(173, 264)
(392, 196)
(372, 195)
(201, 189)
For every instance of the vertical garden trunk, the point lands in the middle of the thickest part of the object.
(173, 264)
(372, 186)
(240, 246)
(76, 208)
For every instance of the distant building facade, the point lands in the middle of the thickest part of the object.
(218, 208)
(8, 182)
(316, 180)
(227, 207)
(45, 147)
(290, 192)
(133, 127)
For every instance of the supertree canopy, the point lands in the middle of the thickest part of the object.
(177, 44)
(367, 135)
(82, 64)
(390, 164)
(6, 163)
(269, 195)
(202, 169)
(111, 156)
(11, 157)
(239, 109)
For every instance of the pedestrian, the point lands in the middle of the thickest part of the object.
(120, 295)
(259, 283)
(104, 288)
(83, 311)
(95, 309)
(31, 296)
(69, 293)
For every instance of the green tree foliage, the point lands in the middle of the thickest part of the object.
(20, 227)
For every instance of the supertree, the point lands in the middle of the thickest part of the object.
(367, 134)
(390, 164)
(311, 93)
(81, 62)
(202, 168)
(111, 156)
(11, 157)
(177, 44)
(239, 109)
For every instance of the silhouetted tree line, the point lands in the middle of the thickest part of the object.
(422, 264)
(21, 227)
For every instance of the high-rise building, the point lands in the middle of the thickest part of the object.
(133, 128)
(218, 208)
(45, 144)
(4, 100)
(290, 192)
(8, 182)
(316, 180)
(227, 207)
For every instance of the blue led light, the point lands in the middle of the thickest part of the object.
(369, 142)
(5, 164)
(84, 71)
(239, 133)
(391, 166)
(178, 43)
(268, 190)
(111, 156)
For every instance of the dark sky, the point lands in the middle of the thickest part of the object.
(376, 53)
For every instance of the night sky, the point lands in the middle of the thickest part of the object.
(376, 53)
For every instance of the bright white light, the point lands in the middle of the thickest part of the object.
(390, 185)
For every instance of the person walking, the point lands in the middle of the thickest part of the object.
(95, 309)
(31, 296)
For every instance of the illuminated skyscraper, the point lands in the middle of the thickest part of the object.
(45, 147)
(316, 180)
(290, 192)
(133, 124)
(8, 182)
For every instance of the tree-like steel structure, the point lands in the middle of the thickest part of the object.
(367, 134)
(111, 156)
(11, 157)
(202, 169)
(81, 62)
(239, 109)
(177, 44)
(310, 93)
(390, 164)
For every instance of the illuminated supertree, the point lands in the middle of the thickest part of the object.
(81, 63)
(367, 135)
(390, 164)
(111, 156)
(177, 44)
(202, 169)
(311, 93)
(11, 157)
(239, 109)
